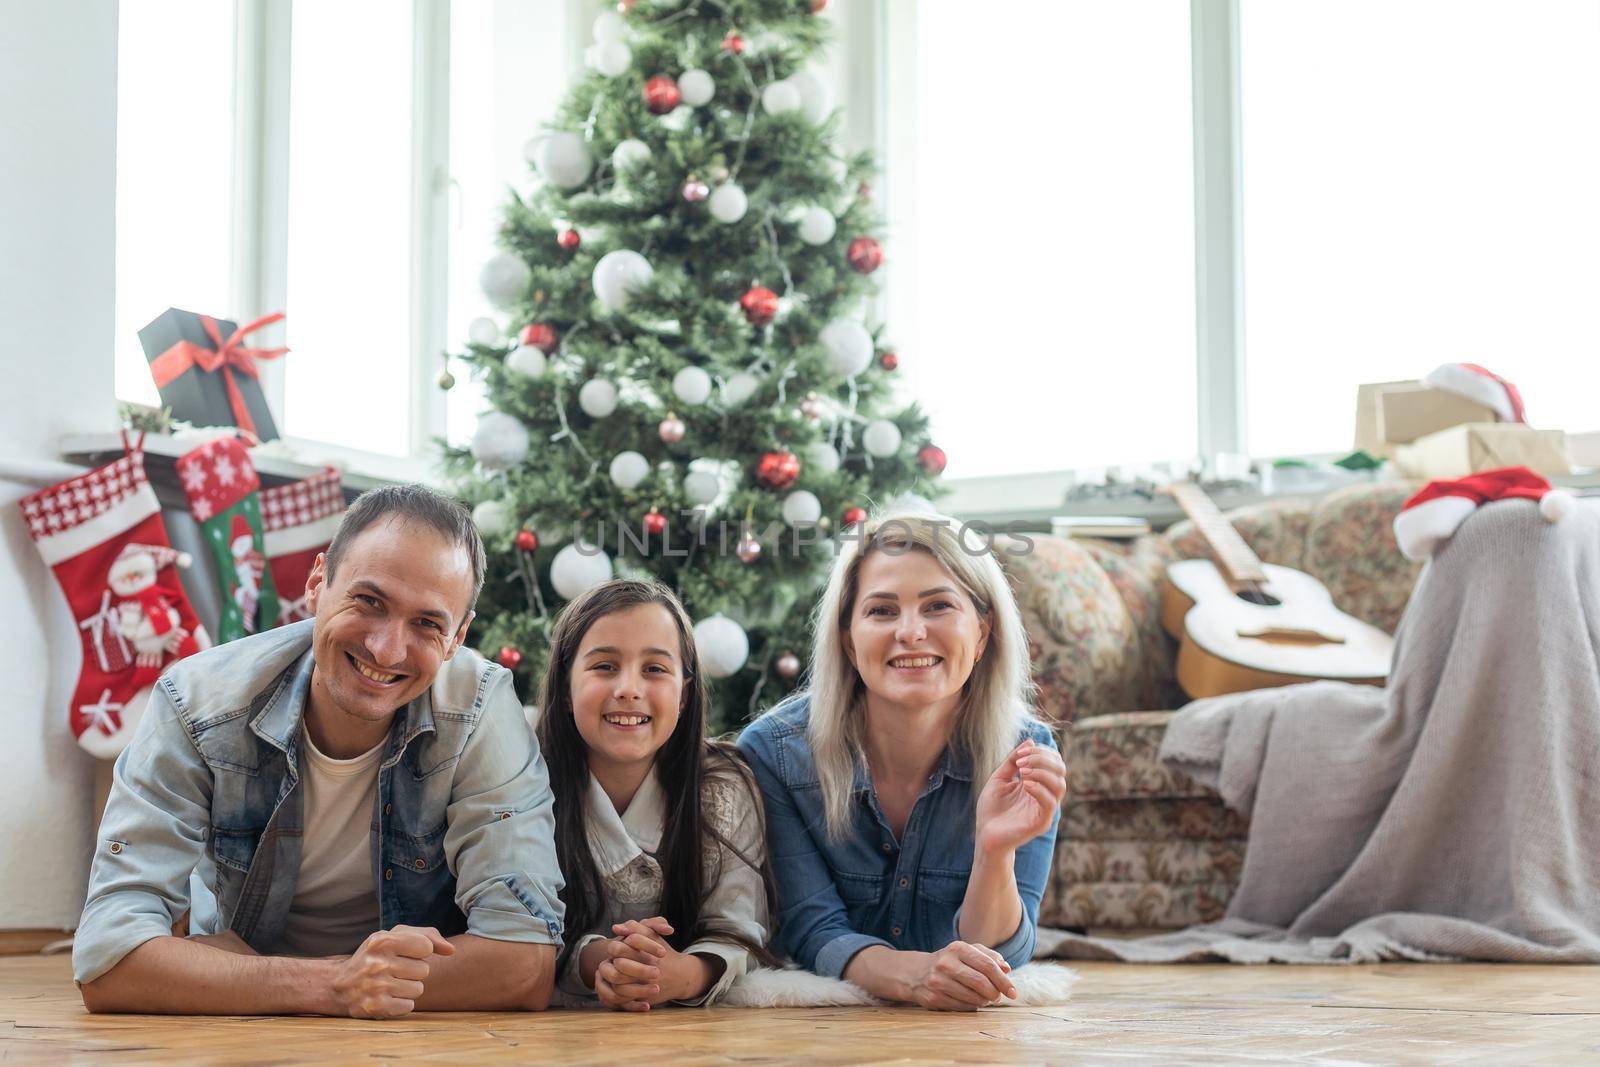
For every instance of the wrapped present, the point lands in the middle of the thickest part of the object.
(1483, 446)
(205, 373)
(1389, 414)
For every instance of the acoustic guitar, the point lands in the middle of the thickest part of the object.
(1243, 624)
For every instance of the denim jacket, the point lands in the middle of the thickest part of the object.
(463, 831)
(835, 898)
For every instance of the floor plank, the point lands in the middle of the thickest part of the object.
(1121, 1014)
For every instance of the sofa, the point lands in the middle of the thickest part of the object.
(1141, 848)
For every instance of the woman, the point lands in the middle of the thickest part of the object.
(911, 797)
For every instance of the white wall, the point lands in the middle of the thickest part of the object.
(58, 106)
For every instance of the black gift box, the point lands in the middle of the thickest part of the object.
(195, 396)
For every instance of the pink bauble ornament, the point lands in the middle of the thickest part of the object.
(749, 550)
(695, 191)
(787, 665)
(671, 429)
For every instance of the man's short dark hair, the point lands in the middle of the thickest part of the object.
(414, 503)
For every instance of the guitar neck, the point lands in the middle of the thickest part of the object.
(1238, 562)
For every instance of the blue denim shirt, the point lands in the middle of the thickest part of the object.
(837, 898)
(463, 831)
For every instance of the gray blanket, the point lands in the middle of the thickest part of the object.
(1454, 814)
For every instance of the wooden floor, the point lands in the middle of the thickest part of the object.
(1389, 1014)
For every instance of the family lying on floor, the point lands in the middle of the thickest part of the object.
(350, 815)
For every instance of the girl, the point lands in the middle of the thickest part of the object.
(658, 830)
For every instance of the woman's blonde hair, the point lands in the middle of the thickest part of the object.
(997, 699)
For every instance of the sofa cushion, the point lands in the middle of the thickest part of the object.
(1116, 757)
(1147, 906)
(1350, 548)
(1150, 819)
(1275, 531)
(1089, 609)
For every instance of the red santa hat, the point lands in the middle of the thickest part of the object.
(1432, 516)
(1481, 386)
(239, 528)
(163, 556)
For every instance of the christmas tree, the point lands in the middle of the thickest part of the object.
(681, 379)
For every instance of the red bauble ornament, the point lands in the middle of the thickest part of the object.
(889, 361)
(540, 335)
(865, 255)
(509, 657)
(818, 6)
(788, 665)
(569, 240)
(759, 305)
(733, 44)
(527, 541)
(748, 550)
(655, 523)
(932, 459)
(778, 470)
(625, 6)
(852, 516)
(661, 94)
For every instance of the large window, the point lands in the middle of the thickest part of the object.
(348, 376)
(1041, 274)
(174, 172)
(354, 177)
(1421, 185)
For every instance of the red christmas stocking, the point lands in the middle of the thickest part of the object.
(101, 534)
(299, 519)
(224, 498)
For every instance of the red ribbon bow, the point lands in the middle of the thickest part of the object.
(229, 355)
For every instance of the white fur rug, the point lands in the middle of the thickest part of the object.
(1038, 985)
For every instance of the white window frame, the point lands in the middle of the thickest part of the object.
(261, 207)
(1219, 288)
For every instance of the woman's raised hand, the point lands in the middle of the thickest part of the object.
(1020, 798)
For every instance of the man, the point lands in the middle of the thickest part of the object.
(357, 803)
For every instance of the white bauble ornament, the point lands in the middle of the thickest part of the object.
(612, 58)
(527, 360)
(817, 226)
(838, 170)
(484, 332)
(728, 203)
(849, 346)
(492, 518)
(629, 469)
(597, 398)
(816, 98)
(740, 387)
(696, 88)
(564, 159)
(801, 508)
(618, 276)
(701, 487)
(504, 278)
(500, 441)
(630, 155)
(692, 385)
(608, 26)
(722, 644)
(576, 570)
(822, 458)
(881, 438)
(780, 98)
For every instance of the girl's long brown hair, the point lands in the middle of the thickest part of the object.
(683, 765)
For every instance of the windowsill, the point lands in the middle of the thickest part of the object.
(360, 470)
(1030, 501)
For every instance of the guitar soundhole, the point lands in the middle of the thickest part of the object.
(1260, 597)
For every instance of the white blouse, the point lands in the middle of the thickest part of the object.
(624, 848)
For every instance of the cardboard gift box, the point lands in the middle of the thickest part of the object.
(1389, 414)
(205, 373)
(1483, 446)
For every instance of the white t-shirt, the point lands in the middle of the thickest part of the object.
(335, 903)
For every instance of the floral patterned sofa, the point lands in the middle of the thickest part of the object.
(1140, 847)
